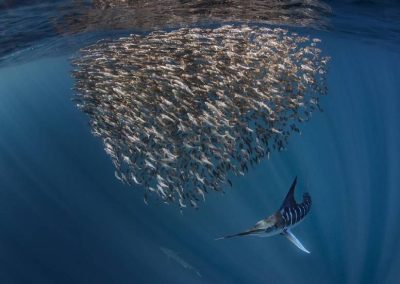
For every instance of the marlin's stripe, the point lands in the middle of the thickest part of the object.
(294, 219)
(297, 210)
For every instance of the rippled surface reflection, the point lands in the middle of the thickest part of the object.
(56, 26)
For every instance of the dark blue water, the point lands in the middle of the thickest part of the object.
(65, 218)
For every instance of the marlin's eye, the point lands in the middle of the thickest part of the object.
(269, 229)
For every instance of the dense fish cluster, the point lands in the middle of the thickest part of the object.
(179, 111)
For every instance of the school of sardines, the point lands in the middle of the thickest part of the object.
(180, 111)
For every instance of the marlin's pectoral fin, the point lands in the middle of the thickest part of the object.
(289, 235)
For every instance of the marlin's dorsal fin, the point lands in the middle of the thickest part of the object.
(289, 235)
(289, 199)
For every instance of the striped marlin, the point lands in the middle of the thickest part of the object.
(289, 215)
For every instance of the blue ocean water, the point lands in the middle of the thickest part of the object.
(65, 218)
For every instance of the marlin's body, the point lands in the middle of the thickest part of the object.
(288, 216)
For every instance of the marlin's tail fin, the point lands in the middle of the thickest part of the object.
(306, 197)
